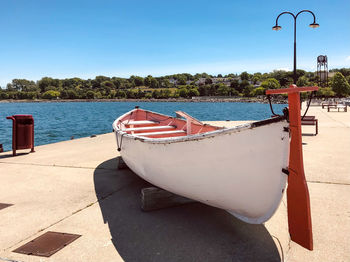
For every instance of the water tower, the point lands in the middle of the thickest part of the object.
(322, 70)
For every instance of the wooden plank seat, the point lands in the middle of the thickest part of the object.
(147, 128)
(338, 107)
(308, 118)
(140, 122)
(329, 105)
(310, 121)
(173, 132)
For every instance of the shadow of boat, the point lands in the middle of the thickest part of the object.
(192, 232)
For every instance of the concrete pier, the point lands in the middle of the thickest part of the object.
(75, 187)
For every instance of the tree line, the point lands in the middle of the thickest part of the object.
(172, 86)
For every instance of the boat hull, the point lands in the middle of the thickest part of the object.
(237, 169)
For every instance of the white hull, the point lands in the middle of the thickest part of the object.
(237, 169)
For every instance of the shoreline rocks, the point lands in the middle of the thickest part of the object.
(275, 100)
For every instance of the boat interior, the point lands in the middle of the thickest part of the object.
(152, 125)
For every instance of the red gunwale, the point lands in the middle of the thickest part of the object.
(174, 124)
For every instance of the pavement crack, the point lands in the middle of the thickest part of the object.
(54, 165)
(330, 183)
(9, 260)
(328, 115)
(289, 248)
(66, 217)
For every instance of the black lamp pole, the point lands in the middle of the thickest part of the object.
(277, 27)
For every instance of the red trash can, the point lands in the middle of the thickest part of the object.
(22, 132)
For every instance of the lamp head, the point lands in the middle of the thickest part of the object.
(276, 28)
(314, 25)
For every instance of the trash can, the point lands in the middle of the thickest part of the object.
(22, 132)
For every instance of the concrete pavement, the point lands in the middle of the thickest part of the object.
(75, 187)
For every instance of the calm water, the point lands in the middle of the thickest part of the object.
(60, 121)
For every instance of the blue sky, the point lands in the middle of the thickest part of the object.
(65, 39)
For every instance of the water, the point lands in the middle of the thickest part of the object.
(56, 121)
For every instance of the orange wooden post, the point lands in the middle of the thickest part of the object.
(298, 200)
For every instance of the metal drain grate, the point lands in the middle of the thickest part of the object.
(3, 205)
(47, 244)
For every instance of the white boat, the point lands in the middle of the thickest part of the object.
(240, 169)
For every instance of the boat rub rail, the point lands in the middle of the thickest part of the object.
(200, 136)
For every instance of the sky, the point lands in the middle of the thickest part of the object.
(83, 38)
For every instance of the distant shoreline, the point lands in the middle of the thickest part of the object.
(189, 100)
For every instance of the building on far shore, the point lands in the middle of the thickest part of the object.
(216, 80)
(213, 80)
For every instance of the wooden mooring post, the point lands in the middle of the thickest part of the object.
(154, 198)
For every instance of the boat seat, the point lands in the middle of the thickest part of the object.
(146, 128)
(140, 122)
(161, 133)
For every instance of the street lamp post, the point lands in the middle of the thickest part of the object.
(277, 27)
